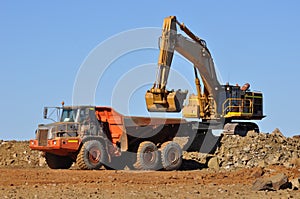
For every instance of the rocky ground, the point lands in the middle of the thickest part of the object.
(253, 150)
(255, 166)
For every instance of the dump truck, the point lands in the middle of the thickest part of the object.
(96, 136)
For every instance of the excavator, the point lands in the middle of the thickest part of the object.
(216, 104)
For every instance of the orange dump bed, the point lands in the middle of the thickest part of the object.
(118, 123)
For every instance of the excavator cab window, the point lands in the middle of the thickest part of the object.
(233, 92)
(233, 99)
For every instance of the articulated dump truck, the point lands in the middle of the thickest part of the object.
(100, 136)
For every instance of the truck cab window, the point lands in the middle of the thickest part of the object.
(68, 115)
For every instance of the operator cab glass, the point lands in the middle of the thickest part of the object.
(68, 115)
(80, 115)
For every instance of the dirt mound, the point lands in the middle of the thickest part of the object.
(18, 154)
(258, 150)
(253, 150)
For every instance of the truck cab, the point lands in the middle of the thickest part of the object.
(72, 121)
(61, 140)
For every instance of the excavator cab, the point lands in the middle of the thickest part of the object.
(240, 103)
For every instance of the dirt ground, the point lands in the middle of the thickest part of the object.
(73, 183)
(23, 176)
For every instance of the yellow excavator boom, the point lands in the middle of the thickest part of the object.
(158, 98)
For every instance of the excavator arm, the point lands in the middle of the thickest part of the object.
(158, 98)
(194, 49)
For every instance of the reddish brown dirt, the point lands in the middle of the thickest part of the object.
(47, 183)
(22, 177)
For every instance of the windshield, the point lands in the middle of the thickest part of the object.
(81, 115)
(68, 115)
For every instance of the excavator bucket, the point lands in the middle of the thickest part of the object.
(168, 101)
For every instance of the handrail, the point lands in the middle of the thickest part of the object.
(237, 105)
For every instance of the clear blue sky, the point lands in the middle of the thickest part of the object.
(43, 44)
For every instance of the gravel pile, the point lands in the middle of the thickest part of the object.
(253, 150)
(258, 150)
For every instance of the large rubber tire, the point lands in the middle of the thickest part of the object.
(92, 155)
(171, 156)
(147, 157)
(58, 162)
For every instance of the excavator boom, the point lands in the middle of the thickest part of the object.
(158, 98)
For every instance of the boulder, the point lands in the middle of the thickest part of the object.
(279, 181)
(261, 184)
(273, 183)
(213, 163)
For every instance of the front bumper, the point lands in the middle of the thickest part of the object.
(60, 146)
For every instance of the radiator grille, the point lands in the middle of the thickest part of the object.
(42, 137)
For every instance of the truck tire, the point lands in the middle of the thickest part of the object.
(58, 162)
(92, 155)
(147, 157)
(171, 155)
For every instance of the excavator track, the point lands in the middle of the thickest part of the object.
(240, 128)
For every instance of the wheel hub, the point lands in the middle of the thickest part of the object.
(173, 156)
(149, 155)
(94, 155)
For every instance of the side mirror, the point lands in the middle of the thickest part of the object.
(45, 112)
